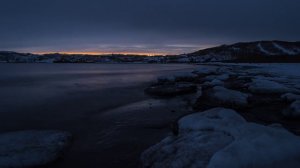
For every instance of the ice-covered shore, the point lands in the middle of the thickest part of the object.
(222, 138)
(249, 118)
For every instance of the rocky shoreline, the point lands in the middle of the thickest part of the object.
(262, 99)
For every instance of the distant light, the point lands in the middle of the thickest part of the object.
(100, 53)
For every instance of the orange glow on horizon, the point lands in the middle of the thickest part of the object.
(102, 53)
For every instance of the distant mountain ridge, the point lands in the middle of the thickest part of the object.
(258, 51)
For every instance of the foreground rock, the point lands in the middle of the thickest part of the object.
(227, 97)
(31, 148)
(221, 138)
(171, 89)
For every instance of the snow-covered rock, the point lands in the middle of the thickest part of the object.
(259, 146)
(293, 111)
(290, 97)
(222, 138)
(266, 86)
(207, 120)
(31, 148)
(223, 95)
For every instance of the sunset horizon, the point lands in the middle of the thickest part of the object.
(150, 84)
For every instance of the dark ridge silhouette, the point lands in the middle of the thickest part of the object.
(258, 51)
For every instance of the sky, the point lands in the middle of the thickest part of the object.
(142, 26)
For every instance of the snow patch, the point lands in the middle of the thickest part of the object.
(264, 50)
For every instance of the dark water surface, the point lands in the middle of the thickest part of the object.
(103, 106)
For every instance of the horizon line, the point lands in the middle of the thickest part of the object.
(101, 53)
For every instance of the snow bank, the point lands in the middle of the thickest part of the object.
(31, 148)
(293, 111)
(228, 96)
(222, 138)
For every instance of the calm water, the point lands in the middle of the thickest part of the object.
(26, 84)
(103, 106)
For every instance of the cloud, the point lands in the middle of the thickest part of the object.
(78, 24)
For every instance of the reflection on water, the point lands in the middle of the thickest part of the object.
(26, 83)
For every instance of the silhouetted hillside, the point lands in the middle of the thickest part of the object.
(265, 51)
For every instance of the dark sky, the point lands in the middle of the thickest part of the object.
(143, 26)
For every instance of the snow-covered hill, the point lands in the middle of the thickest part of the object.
(254, 51)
